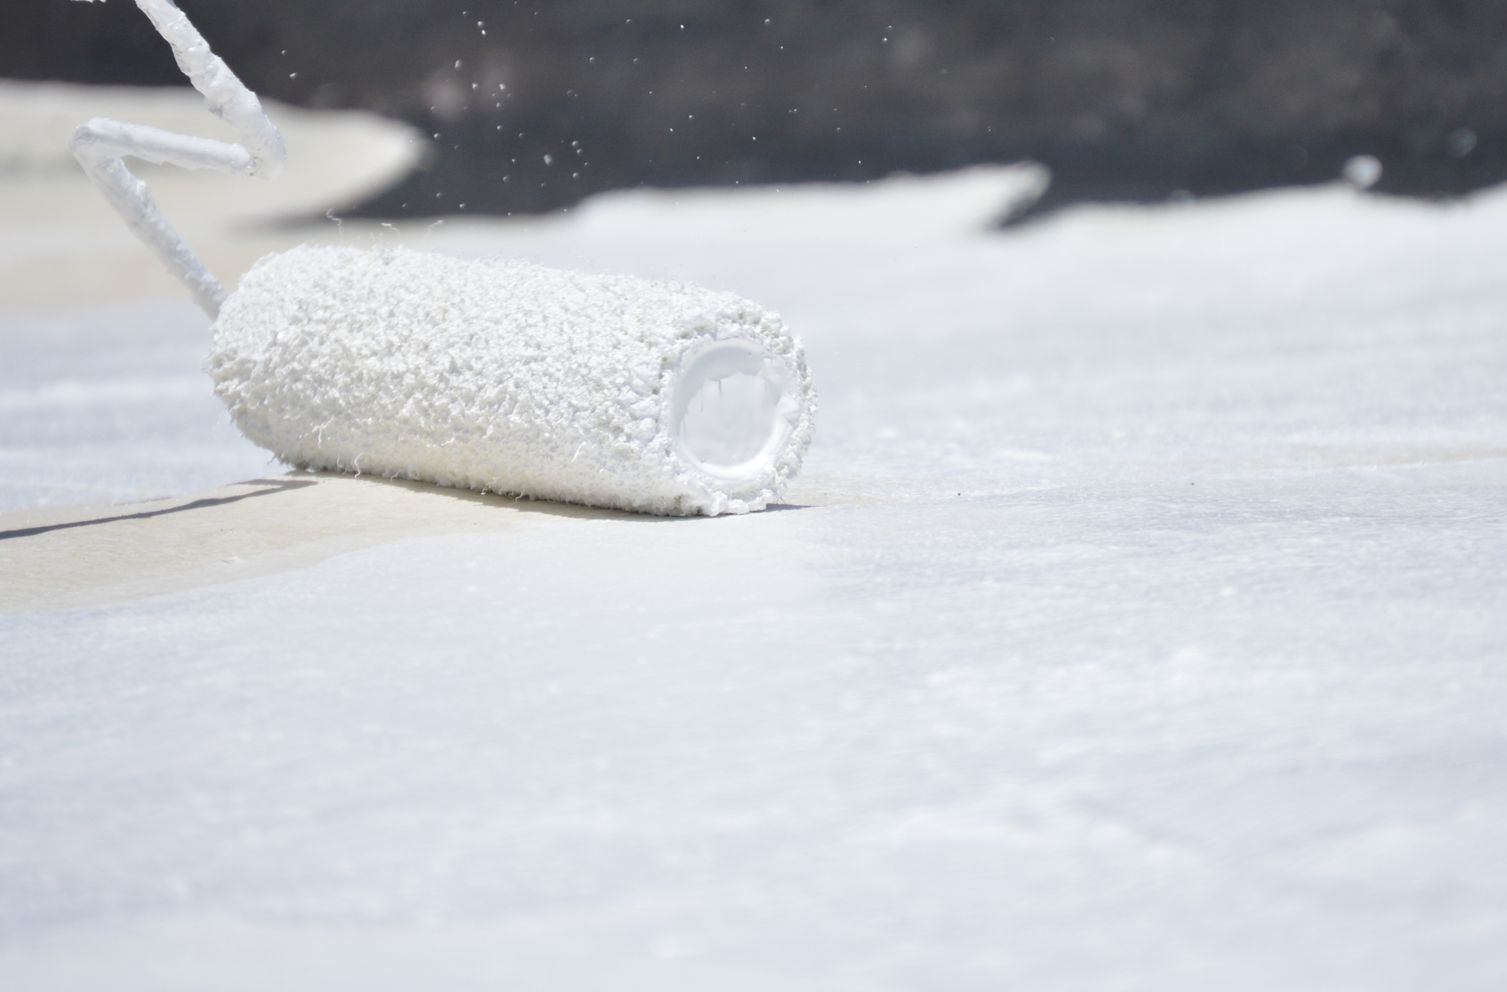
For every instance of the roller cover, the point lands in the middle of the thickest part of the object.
(512, 378)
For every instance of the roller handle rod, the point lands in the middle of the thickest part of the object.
(102, 146)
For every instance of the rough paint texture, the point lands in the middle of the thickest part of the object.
(497, 376)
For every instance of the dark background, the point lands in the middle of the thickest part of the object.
(1122, 99)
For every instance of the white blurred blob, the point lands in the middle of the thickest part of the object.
(1362, 171)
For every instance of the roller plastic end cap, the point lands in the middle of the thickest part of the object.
(734, 416)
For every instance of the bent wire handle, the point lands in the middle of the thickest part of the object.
(101, 146)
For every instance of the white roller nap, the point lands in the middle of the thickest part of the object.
(502, 376)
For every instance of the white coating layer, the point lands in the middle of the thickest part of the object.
(502, 376)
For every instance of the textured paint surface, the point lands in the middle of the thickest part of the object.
(1142, 627)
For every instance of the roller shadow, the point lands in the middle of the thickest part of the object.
(163, 547)
(523, 504)
(570, 511)
(272, 487)
(302, 479)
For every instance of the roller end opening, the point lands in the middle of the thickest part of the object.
(735, 407)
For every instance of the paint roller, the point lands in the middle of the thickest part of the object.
(498, 376)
